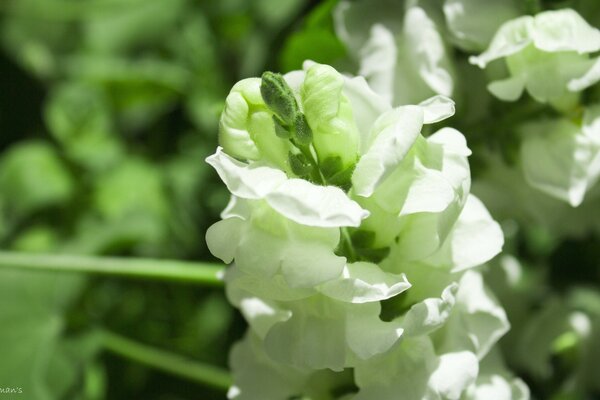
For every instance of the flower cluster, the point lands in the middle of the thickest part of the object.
(352, 240)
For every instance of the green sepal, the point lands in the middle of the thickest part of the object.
(362, 238)
(302, 133)
(299, 164)
(335, 174)
(280, 129)
(278, 96)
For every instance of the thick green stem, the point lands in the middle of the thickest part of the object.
(168, 362)
(167, 270)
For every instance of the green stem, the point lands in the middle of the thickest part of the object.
(168, 362)
(167, 270)
(349, 247)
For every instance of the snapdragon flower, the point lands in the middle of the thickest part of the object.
(341, 211)
(547, 54)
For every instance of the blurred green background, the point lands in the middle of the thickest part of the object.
(107, 111)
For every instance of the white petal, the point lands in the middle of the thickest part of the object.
(452, 140)
(364, 282)
(437, 108)
(393, 135)
(222, 238)
(309, 204)
(475, 239)
(429, 191)
(511, 38)
(428, 50)
(262, 314)
(591, 77)
(564, 30)
(454, 373)
(367, 106)
(378, 61)
(477, 321)
(429, 314)
(243, 180)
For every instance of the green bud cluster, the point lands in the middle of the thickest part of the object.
(291, 124)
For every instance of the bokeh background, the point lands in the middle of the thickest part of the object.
(108, 109)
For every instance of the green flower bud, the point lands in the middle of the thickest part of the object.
(302, 133)
(279, 97)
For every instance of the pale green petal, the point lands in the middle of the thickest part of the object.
(306, 264)
(430, 314)
(257, 377)
(233, 130)
(221, 235)
(391, 137)
(509, 89)
(243, 180)
(473, 23)
(564, 30)
(329, 114)
(556, 158)
(512, 37)
(366, 334)
(241, 285)
(413, 188)
(404, 369)
(259, 252)
(309, 204)
(262, 314)
(312, 338)
(239, 208)
(364, 282)
(591, 77)
(436, 109)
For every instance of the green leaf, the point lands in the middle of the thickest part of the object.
(32, 306)
(33, 177)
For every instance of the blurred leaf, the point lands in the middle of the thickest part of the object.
(140, 91)
(315, 41)
(31, 312)
(79, 118)
(126, 24)
(33, 177)
(38, 238)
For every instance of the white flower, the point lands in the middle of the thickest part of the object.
(546, 54)
(561, 157)
(339, 218)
